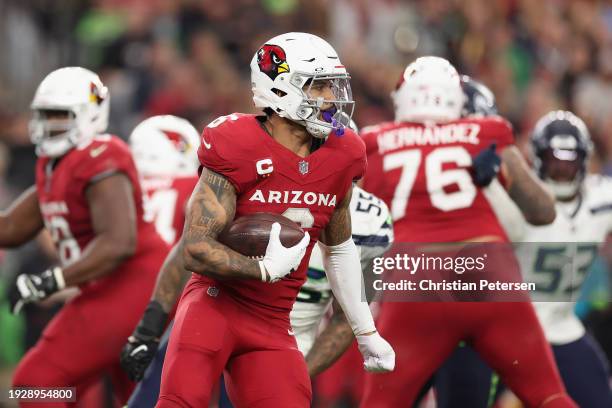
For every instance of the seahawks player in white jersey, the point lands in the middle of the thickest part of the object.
(557, 256)
(373, 234)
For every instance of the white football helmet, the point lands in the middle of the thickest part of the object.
(428, 91)
(165, 145)
(77, 92)
(282, 68)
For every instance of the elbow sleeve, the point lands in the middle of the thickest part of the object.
(343, 268)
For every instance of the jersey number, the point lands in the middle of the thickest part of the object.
(553, 261)
(368, 203)
(222, 119)
(436, 178)
(67, 246)
(159, 208)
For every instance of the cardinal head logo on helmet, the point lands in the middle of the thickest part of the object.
(272, 60)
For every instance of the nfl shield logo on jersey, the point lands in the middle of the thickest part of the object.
(303, 167)
(212, 291)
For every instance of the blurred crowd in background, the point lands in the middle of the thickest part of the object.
(191, 58)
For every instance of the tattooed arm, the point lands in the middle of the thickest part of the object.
(339, 227)
(171, 279)
(211, 207)
(330, 344)
(141, 346)
(535, 202)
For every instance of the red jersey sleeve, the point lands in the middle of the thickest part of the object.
(360, 164)
(103, 157)
(354, 162)
(368, 135)
(219, 154)
(498, 130)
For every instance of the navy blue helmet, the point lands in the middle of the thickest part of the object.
(479, 100)
(561, 146)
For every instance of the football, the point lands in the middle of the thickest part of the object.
(249, 234)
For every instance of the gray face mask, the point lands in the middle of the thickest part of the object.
(338, 112)
(53, 137)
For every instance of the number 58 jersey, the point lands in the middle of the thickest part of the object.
(422, 172)
(62, 185)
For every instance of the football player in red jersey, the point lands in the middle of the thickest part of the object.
(234, 312)
(87, 194)
(165, 151)
(428, 166)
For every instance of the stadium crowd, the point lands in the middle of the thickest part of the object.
(190, 58)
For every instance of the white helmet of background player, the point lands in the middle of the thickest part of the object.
(284, 70)
(165, 145)
(83, 98)
(428, 91)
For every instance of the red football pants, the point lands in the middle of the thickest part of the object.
(344, 378)
(84, 340)
(507, 335)
(211, 332)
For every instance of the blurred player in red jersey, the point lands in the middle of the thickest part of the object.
(164, 148)
(165, 151)
(88, 196)
(428, 166)
(234, 312)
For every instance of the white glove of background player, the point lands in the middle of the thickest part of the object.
(280, 261)
(378, 355)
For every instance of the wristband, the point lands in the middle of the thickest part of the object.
(153, 322)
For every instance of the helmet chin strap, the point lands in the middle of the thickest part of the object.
(564, 190)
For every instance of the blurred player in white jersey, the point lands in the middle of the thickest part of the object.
(557, 257)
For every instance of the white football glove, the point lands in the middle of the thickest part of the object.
(378, 355)
(280, 261)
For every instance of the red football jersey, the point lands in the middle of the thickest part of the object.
(270, 178)
(165, 201)
(422, 174)
(61, 186)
